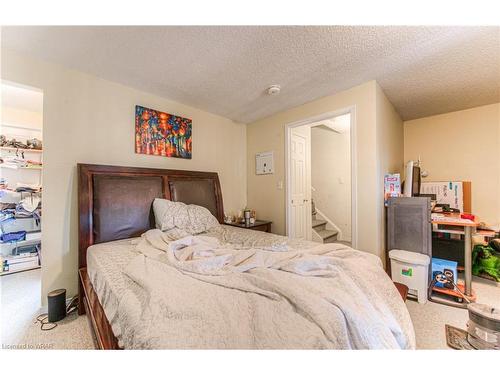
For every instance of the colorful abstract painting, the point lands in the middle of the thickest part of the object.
(162, 134)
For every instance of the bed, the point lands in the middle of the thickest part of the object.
(115, 208)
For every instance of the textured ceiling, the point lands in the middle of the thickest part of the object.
(225, 70)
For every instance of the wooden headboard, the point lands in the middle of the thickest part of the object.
(116, 202)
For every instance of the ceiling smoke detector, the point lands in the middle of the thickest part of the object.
(273, 90)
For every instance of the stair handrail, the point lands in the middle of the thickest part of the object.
(326, 218)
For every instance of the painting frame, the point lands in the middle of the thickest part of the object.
(160, 133)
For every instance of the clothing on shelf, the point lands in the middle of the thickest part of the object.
(19, 212)
(31, 144)
(9, 197)
(29, 204)
(26, 190)
(15, 162)
(25, 208)
(20, 204)
(13, 236)
(29, 188)
(33, 163)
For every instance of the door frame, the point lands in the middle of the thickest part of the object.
(353, 137)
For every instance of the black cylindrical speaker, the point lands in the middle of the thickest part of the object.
(57, 305)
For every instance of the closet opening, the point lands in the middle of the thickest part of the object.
(21, 163)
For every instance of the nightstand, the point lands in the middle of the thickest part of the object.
(402, 289)
(261, 225)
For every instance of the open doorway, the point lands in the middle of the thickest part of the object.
(21, 159)
(321, 178)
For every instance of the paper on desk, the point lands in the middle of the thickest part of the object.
(450, 219)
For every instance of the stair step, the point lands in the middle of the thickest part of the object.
(318, 223)
(326, 234)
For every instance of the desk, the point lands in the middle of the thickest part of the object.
(469, 229)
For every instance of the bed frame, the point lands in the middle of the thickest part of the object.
(116, 203)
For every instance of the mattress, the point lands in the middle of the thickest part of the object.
(152, 304)
(106, 262)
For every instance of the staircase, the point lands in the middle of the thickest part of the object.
(319, 226)
(327, 235)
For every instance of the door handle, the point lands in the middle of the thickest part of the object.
(306, 200)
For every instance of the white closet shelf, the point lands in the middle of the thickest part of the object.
(19, 126)
(21, 149)
(2, 273)
(38, 168)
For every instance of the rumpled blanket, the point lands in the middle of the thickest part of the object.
(198, 293)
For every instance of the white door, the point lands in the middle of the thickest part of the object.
(300, 191)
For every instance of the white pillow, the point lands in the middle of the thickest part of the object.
(191, 218)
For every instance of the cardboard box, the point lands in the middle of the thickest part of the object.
(392, 186)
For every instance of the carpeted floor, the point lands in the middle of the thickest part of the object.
(20, 306)
(20, 301)
(429, 319)
(73, 332)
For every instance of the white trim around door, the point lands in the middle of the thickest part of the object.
(354, 192)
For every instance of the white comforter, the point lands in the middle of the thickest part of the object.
(198, 293)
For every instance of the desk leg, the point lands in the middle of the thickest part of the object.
(468, 261)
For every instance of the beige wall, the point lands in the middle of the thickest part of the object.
(390, 153)
(90, 120)
(331, 176)
(378, 150)
(463, 145)
(20, 117)
(264, 194)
